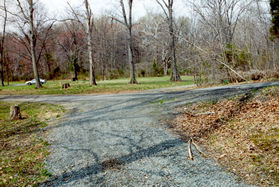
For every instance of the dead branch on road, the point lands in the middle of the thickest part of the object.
(190, 153)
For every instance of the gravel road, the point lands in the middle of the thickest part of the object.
(120, 140)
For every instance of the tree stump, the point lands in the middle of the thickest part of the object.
(15, 113)
(66, 85)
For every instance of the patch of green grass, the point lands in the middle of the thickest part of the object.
(22, 147)
(268, 140)
(268, 143)
(83, 87)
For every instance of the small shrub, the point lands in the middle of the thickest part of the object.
(225, 81)
(157, 71)
(200, 79)
(142, 73)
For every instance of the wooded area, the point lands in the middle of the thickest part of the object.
(221, 41)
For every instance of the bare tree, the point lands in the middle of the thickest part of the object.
(89, 17)
(2, 43)
(89, 30)
(128, 23)
(33, 42)
(167, 7)
(28, 17)
(31, 24)
(156, 41)
(220, 19)
(222, 16)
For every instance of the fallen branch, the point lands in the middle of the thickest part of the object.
(190, 155)
(205, 113)
(199, 114)
(199, 150)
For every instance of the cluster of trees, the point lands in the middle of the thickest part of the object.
(216, 39)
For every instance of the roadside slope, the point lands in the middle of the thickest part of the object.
(241, 133)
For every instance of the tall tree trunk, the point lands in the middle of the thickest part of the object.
(104, 66)
(50, 75)
(2, 45)
(165, 62)
(33, 44)
(129, 25)
(75, 78)
(175, 74)
(166, 67)
(113, 53)
(131, 61)
(103, 70)
(130, 46)
(7, 70)
(2, 64)
(92, 79)
(2, 68)
(102, 55)
(90, 57)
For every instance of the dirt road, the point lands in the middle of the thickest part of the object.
(119, 140)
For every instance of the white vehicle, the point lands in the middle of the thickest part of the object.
(43, 81)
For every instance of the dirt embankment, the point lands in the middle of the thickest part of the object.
(241, 133)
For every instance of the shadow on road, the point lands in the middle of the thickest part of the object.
(99, 167)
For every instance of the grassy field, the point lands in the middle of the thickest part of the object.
(22, 146)
(82, 87)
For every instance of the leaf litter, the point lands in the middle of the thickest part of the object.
(241, 133)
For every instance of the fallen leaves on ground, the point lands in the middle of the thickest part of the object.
(241, 135)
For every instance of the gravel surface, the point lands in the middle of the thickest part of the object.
(118, 140)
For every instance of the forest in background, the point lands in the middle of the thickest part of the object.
(223, 41)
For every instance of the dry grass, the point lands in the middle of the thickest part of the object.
(241, 133)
